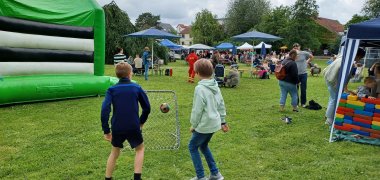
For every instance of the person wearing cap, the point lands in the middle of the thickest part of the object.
(146, 57)
(303, 59)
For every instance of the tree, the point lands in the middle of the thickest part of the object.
(276, 23)
(371, 8)
(118, 24)
(147, 20)
(242, 15)
(302, 27)
(206, 29)
(356, 19)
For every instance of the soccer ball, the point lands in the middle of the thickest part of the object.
(164, 107)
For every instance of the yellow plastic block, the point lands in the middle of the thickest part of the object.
(377, 106)
(339, 115)
(376, 123)
(357, 103)
(352, 97)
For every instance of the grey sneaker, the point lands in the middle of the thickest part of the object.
(196, 178)
(216, 177)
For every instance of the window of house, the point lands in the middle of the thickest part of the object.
(183, 43)
(183, 36)
(190, 43)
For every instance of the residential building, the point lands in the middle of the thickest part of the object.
(184, 32)
(329, 30)
(166, 27)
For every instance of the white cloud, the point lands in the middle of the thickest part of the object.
(183, 11)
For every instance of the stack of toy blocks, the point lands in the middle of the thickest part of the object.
(359, 116)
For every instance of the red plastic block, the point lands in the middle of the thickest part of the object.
(342, 128)
(362, 120)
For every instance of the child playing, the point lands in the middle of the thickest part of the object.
(207, 117)
(365, 90)
(126, 123)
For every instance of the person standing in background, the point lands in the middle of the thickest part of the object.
(146, 60)
(303, 59)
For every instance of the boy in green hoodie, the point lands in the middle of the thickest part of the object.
(207, 117)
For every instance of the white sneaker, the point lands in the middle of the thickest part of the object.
(216, 177)
(196, 178)
(303, 105)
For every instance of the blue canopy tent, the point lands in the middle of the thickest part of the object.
(227, 46)
(169, 44)
(255, 35)
(365, 34)
(153, 33)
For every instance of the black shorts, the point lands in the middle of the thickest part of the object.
(134, 138)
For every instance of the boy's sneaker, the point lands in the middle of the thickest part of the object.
(303, 105)
(216, 177)
(196, 178)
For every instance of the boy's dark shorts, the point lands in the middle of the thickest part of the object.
(134, 138)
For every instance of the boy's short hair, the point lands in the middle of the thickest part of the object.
(204, 68)
(123, 69)
(360, 53)
(369, 79)
(292, 52)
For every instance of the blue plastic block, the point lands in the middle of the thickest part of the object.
(344, 96)
(338, 123)
(348, 117)
(369, 109)
(364, 113)
(371, 106)
(360, 132)
(361, 124)
(347, 121)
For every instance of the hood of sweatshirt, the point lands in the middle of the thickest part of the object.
(210, 84)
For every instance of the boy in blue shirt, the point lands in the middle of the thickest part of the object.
(126, 124)
(207, 117)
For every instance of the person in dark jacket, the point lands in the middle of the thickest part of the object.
(289, 83)
(126, 124)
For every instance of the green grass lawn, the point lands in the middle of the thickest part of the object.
(64, 140)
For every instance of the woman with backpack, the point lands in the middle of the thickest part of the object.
(288, 83)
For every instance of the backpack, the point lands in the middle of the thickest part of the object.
(279, 71)
(313, 105)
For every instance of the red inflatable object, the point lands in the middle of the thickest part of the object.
(377, 136)
(351, 126)
(346, 109)
(362, 120)
(371, 101)
(342, 128)
(376, 118)
(363, 117)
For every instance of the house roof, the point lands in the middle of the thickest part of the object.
(181, 25)
(166, 27)
(330, 24)
(186, 30)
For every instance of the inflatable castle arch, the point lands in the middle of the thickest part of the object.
(51, 50)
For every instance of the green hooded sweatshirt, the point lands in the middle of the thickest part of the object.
(208, 111)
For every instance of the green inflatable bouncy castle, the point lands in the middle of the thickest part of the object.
(51, 50)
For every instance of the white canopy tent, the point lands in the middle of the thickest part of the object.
(259, 46)
(200, 47)
(245, 46)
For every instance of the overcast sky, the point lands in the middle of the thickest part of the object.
(177, 12)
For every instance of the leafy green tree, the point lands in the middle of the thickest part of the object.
(147, 20)
(356, 19)
(206, 29)
(371, 8)
(242, 15)
(276, 23)
(302, 27)
(118, 24)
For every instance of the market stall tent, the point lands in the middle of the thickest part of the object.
(245, 46)
(260, 45)
(365, 34)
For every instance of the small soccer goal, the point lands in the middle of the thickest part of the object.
(162, 129)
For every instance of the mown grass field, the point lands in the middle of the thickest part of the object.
(64, 140)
